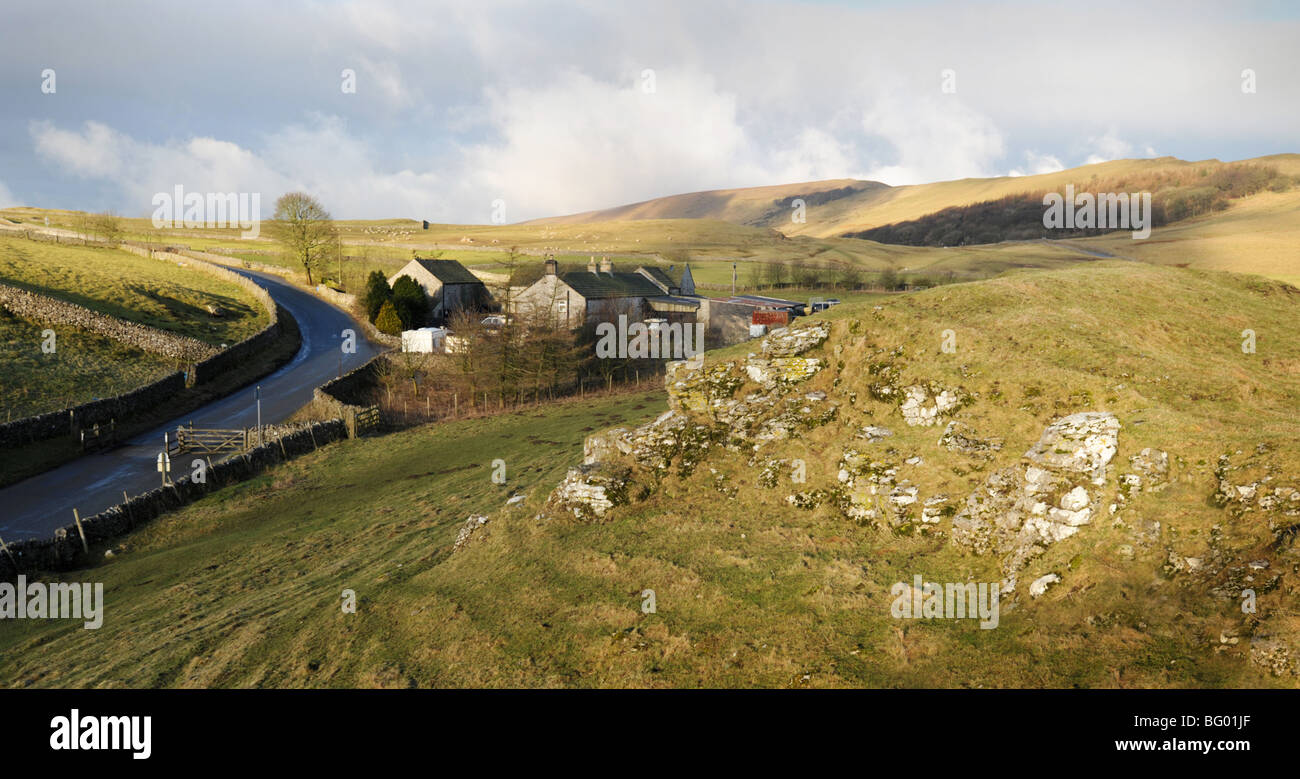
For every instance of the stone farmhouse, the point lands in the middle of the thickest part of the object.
(449, 286)
(601, 293)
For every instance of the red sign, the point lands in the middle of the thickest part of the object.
(770, 318)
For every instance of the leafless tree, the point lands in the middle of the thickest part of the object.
(306, 231)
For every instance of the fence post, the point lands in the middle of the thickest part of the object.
(77, 517)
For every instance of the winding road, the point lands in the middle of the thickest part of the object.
(36, 507)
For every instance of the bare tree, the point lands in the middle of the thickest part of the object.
(109, 227)
(306, 231)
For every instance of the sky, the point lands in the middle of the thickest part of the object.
(466, 111)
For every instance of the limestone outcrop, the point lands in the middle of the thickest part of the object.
(1021, 510)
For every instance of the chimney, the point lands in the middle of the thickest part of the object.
(606, 266)
(591, 265)
(551, 266)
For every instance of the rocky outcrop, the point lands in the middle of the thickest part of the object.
(1275, 655)
(1079, 443)
(793, 341)
(467, 531)
(588, 492)
(1021, 510)
(958, 437)
(924, 405)
(874, 434)
(781, 370)
(703, 415)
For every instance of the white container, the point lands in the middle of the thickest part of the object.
(425, 340)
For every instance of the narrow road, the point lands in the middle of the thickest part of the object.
(36, 507)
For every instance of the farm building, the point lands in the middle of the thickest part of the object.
(450, 287)
(602, 293)
(424, 339)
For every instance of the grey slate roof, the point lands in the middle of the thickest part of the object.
(449, 271)
(610, 285)
(672, 303)
(660, 275)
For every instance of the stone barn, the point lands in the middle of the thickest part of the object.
(449, 286)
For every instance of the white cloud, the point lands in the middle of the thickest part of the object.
(7, 198)
(1037, 164)
(815, 155)
(580, 144)
(95, 152)
(934, 139)
(1110, 146)
(385, 76)
(320, 158)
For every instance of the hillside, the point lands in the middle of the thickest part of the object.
(84, 367)
(1260, 234)
(153, 292)
(710, 245)
(841, 206)
(759, 580)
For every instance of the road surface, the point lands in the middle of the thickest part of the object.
(36, 507)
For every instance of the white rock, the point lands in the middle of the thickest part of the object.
(1075, 499)
(1040, 585)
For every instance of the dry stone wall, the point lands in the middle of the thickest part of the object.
(51, 311)
(241, 352)
(207, 361)
(97, 412)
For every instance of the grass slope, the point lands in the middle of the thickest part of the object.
(1259, 234)
(83, 367)
(243, 589)
(154, 292)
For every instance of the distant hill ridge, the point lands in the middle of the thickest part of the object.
(837, 207)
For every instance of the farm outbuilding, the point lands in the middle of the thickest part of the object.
(450, 287)
(425, 339)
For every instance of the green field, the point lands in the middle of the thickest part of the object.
(153, 292)
(382, 512)
(709, 245)
(83, 367)
(243, 589)
(1259, 234)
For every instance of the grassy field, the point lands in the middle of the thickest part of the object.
(83, 367)
(381, 511)
(709, 245)
(154, 292)
(243, 589)
(1259, 234)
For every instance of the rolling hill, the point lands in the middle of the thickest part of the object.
(840, 206)
(774, 514)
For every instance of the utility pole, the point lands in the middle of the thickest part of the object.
(259, 414)
(733, 278)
